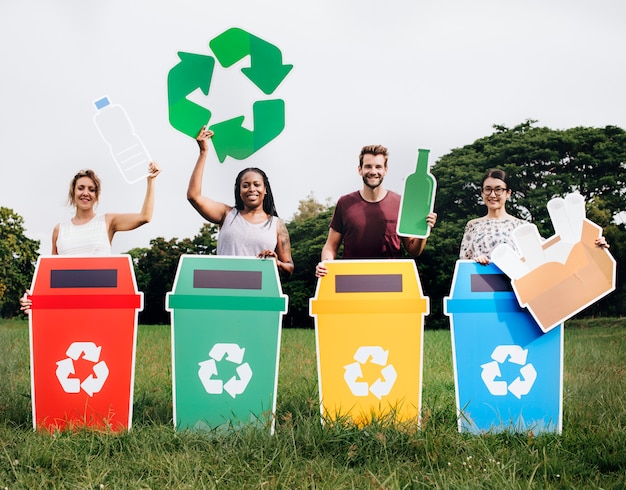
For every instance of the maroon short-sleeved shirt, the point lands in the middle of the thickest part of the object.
(368, 228)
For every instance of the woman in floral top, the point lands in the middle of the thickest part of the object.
(484, 234)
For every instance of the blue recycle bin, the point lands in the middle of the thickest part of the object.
(508, 373)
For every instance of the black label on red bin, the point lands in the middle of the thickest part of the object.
(83, 278)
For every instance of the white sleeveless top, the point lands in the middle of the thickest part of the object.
(240, 238)
(90, 239)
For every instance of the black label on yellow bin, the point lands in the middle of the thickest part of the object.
(368, 283)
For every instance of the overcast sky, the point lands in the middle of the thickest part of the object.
(406, 74)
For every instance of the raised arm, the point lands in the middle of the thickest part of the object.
(211, 210)
(129, 221)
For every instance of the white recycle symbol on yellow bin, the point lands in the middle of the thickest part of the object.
(376, 355)
(92, 384)
(208, 369)
(522, 384)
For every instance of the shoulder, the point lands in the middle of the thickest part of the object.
(392, 197)
(352, 196)
(280, 225)
(474, 222)
(108, 218)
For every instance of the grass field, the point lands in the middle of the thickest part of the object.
(303, 453)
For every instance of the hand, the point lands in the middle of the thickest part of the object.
(154, 170)
(601, 242)
(482, 259)
(431, 219)
(203, 138)
(267, 254)
(320, 270)
(26, 302)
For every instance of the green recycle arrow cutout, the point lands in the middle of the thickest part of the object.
(266, 69)
(194, 71)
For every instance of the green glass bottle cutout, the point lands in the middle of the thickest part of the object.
(418, 199)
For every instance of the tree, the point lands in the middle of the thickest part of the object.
(307, 232)
(310, 208)
(18, 255)
(156, 266)
(544, 163)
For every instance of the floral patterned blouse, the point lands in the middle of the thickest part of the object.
(482, 235)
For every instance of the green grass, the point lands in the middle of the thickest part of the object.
(303, 453)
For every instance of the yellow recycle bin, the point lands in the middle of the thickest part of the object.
(369, 329)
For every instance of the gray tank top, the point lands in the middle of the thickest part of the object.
(240, 238)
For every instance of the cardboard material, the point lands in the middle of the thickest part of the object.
(563, 275)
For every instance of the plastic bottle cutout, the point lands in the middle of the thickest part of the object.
(418, 199)
(118, 132)
(508, 261)
(529, 243)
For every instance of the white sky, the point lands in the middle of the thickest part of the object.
(407, 74)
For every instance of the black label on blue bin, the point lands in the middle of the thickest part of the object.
(83, 278)
(227, 279)
(368, 283)
(490, 283)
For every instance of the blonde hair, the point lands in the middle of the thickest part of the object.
(83, 173)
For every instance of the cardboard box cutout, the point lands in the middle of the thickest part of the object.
(557, 278)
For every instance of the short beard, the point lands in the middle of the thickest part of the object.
(380, 181)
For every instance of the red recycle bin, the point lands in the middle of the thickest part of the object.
(83, 331)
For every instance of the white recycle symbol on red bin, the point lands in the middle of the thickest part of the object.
(521, 385)
(65, 368)
(376, 355)
(208, 369)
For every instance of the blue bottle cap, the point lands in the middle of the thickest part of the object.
(103, 102)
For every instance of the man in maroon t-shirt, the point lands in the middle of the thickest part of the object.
(366, 220)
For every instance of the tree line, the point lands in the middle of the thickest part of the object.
(543, 163)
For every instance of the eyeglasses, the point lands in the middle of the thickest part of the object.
(497, 190)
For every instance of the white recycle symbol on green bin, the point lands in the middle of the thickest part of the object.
(521, 385)
(65, 368)
(208, 373)
(376, 355)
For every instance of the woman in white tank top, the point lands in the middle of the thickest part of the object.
(88, 233)
(251, 227)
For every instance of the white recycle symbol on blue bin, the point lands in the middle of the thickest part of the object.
(208, 369)
(376, 355)
(521, 385)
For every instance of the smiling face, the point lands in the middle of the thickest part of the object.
(85, 193)
(491, 188)
(252, 189)
(373, 170)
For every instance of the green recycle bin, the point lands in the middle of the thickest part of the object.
(226, 323)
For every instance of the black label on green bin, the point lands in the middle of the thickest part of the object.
(83, 278)
(227, 279)
(490, 283)
(368, 283)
